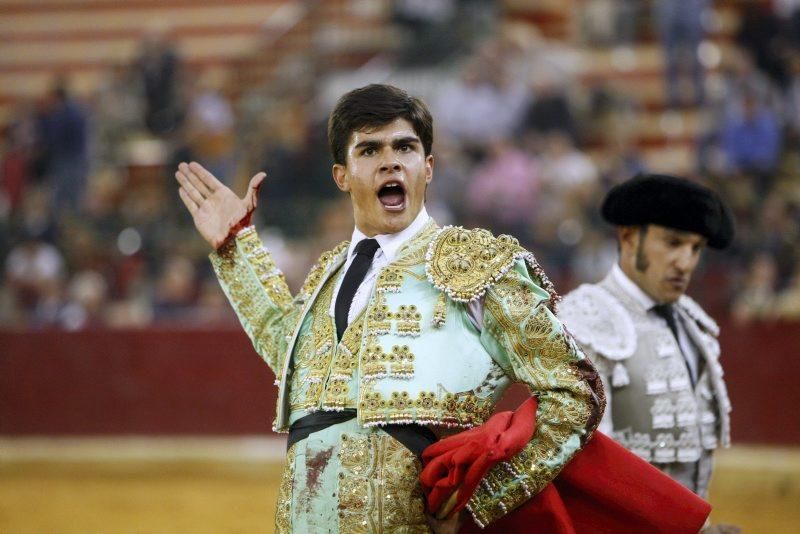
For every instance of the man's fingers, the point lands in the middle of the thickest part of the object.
(188, 187)
(448, 506)
(251, 197)
(193, 178)
(190, 204)
(255, 181)
(206, 177)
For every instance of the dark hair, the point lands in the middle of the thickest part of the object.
(373, 106)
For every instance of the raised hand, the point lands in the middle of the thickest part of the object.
(216, 210)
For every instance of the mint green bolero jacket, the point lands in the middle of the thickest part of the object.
(413, 352)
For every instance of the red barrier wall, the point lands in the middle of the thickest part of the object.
(201, 382)
(133, 382)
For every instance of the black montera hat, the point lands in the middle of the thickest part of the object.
(673, 202)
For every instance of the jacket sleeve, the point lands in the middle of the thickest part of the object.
(257, 290)
(604, 369)
(523, 335)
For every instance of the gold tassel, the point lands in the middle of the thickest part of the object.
(440, 311)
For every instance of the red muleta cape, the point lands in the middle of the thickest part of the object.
(604, 488)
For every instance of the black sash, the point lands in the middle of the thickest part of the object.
(414, 437)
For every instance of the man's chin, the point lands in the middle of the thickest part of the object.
(394, 221)
(670, 297)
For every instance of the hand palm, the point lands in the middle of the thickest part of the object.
(216, 210)
(218, 215)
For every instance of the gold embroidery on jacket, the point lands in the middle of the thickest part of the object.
(380, 318)
(410, 255)
(320, 268)
(376, 363)
(408, 320)
(378, 490)
(465, 263)
(547, 362)
(283, 509)
(462, 410)
(337, 394)
(255, 297)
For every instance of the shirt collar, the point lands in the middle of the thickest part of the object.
(631, 289)
(391, 243)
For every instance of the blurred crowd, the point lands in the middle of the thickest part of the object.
(92, 233)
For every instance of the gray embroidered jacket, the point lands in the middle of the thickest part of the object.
(652, 407)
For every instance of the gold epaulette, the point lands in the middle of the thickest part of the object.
(315, 275)
(463, 263)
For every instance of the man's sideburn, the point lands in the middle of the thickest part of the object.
(642, 262)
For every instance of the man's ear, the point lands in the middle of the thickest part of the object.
(429, 168)
(341, 177)
(628, 237)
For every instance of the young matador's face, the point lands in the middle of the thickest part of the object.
(386, 174)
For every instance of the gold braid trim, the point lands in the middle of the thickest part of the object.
(257, 290)
(464, 263)
(543, 356)
(283, 509)
(320, 268)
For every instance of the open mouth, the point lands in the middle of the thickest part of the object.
(393, 196)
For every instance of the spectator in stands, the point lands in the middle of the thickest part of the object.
(566, 171)
(17, 160)
(175, 289)
(34, 272)
(760, 33)
(681, 26)
(756, 299)
(117, 114)
(549, 110)
(792, 102)
(609, 22)
(597, 21)
(292, 183)
(86, 303)
(503, 189)
(787, 302)
(428, 25)
(447, 194)
(210, 126)
(739, 77)
(789, 10)
(484, 104)
(63, 137)
(158, 67)
(779, 231)
(752, 141)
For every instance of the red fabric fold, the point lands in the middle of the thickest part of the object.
(604, 489)
(458, 463)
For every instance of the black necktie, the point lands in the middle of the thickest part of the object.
(365, 251)
(666, 312)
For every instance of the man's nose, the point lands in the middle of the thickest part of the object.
(685, 259)
(389, 162)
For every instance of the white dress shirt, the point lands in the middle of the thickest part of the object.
(390, 244)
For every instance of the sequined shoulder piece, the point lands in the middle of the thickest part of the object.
(598, 320)
(693, 310)
(320, 268)
(465, 263)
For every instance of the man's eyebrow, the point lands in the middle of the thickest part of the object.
(369, 143)
(405, 140)
(682, 234)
